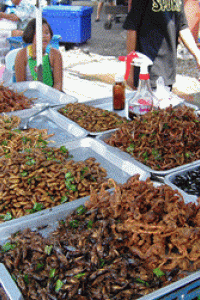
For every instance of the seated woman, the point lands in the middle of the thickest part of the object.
(25, 62)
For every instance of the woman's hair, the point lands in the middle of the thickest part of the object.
(30, 30)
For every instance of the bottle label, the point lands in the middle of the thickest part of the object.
(140, 109)
(144, 102)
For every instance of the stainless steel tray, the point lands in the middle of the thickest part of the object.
(7, 285)
(117, 168)
(128, 157)
(104, 103)
(63, 131)
(107, 104)
(43, 93)
(170, 178)
(187, 288)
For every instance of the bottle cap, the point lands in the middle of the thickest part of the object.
(119, 78)
(144, 76)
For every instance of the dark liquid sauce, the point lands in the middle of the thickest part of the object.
(132, 115)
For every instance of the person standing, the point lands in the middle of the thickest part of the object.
(153, 28)
(100, 7)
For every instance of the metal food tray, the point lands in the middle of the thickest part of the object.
(124, 155)
(43, 93)
(8, 288)
(117, 169)
(103, 103)
(170, 178)
(107, 104)
(48, 119)
(187, 288)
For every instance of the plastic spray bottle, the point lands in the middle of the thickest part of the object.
(143, 99)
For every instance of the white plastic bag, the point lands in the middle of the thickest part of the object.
(7, 25)
(5, 75)
(165, 96)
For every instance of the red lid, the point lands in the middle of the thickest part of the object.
(144, 76)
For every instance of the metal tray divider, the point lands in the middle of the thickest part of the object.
(9, 285)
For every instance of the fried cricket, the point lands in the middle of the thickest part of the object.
(161, 139)
(42, 178)
(121, 245)
(11, 100)
(91, 118)
(12, 139)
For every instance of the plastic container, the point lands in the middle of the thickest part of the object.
(143, 100)
(17, 42)
(6, 28)
(5, 32)
(119, 93)
(72, 23)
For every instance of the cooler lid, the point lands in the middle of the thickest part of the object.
(66, 10)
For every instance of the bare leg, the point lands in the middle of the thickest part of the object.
(111, 4)
(99, 9)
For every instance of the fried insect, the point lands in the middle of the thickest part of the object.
(42, 178)
(12, 139)
(9, 122)
(92, 118)
(161, 139)
(11, 100)
(122, 244)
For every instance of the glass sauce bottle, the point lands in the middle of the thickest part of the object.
(119, 93)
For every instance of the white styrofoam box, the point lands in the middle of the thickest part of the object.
(7, 25)
(6, 28)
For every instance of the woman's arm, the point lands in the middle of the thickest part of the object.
(11, 17)
(189, 42)
(20, 65)
(56, 59)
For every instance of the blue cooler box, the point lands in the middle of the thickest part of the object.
(72, 23)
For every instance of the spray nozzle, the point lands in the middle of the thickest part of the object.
(137, 59)
(128, 60)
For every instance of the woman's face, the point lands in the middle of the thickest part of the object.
(46, 36)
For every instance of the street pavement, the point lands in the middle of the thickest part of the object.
(104, 42)
(90, 68)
